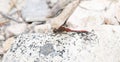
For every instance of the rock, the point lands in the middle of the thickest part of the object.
(112, 13)
(61, 47)
(44, 28)
(3, 22)
(5, 6)
(20, 4)
(117, 12)
(16, 29)
(100, 45)
(94, 12)
(2, 38)
(88, 18)
(1, 51)
(111, 21)
(118, 15)
(95, 5)
(7, 44)
(35, 12)
(51, 3)
(109, 38)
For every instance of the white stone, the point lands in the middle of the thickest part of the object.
(5, 6)
(109, 38)
(2, 38)
(82, 18)
(35, 10)
(1, 50)
(117, 11)
(20, 4)
(95, 5)
(60, 47)
(92, 13)
(42, 28)
(112, 12)
(7, 44)
(103, 47)
(16, 29)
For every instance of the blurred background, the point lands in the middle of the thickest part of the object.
(29, 16)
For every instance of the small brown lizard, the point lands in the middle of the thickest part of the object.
(59, 20)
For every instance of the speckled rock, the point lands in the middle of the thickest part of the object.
(59, 47)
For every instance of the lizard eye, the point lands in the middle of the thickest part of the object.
(59, 11)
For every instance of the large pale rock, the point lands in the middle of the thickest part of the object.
(61, 47)
(20, 4)
(35, 10)
(95, 5)
(82, 18)
(112, 12)
(117, 12)
(102, 45)
(93, 13)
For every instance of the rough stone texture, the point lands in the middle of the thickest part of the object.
(64, 47)
(100, 45)
(90, 13)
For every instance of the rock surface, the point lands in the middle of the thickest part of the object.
(100, 45)
(16, 29)
(35, 10)
(7, 43)
(102, 16)
(63, 47)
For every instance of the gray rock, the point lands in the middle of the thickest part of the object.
(101, 45)
(46, 49)
(49, 47)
